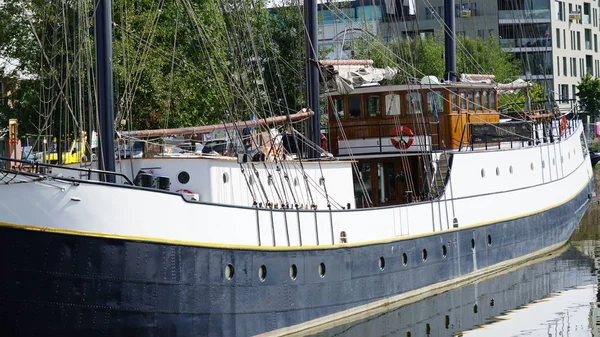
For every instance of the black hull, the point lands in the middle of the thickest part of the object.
(72, 285)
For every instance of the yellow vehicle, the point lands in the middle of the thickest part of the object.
(70, 154)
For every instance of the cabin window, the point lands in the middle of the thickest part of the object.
(463, 101)
(478, 100)
(485, 100)
(362, 197)
(493, 100)
(454, 102)
(435, 102)
(373, 106)
(471, 101)
(392, 105)
(413, 99)
(338, 107)
(386, 182)
(354, 106)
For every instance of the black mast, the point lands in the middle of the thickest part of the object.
(312, 72)
(449, 40)
(105, 87)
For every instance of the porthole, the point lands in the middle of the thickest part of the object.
(489, 240)
(531, 166)
(225, 178)
(482, 173)
(510, 169)
(497, 171)
(424, 255)
(444, 251)
(455, 223)
(293, 272)
(473, 244)
(229, 271)
(404, 259)
(381, 263)
(343, 237)
(262, 273)
(183, 177)
(322, 269)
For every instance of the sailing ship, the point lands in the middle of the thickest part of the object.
(244, 245)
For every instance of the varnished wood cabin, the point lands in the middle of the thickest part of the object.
(366, 124)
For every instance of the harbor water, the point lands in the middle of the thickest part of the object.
(553, 295)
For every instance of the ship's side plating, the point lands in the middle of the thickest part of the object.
(132, 276)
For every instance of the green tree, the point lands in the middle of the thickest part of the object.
(425, 56)
(516, 101)
(588, 92)
(485, 56)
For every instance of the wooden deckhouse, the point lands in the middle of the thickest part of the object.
(396, 132)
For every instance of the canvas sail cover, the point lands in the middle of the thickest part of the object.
(345, 75)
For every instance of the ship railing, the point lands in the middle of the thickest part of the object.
(510, 135)
(373, 138)
(44, 169)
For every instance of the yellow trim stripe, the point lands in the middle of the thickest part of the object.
(237, 246)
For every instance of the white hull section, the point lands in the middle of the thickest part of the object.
(484, 187)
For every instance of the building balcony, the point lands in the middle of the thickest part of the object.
(526, 42)
(524, 15)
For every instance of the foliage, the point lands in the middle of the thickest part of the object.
(588, 92)
(516, 101)
(485, 56)
(420, 57)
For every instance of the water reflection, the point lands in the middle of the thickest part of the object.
(551, 296)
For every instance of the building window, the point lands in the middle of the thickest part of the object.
(586, 13)
(564, 66)
(578, 41)
(557, 38)
(463, 101)
(560, 14)
(596, 43)
(564, 92)
(574, 91)
(588, 39)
